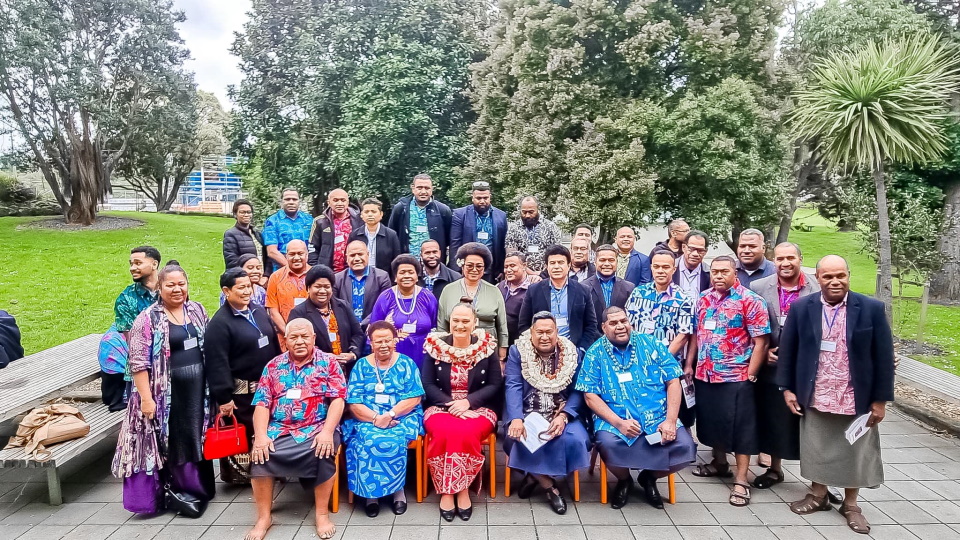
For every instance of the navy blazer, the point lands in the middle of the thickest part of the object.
(352, 338)
(621, 293)
(388, 245)
(377, 281)
(638, 269)
(438, 224)
(515, 387)
(581, 317)
(463, 229)
(869, 346)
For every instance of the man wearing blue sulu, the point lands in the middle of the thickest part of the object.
(632, 384)
(540, 376)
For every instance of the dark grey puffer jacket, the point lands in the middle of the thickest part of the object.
(236, 242)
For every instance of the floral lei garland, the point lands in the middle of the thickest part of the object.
(533, 371)
(441, 351)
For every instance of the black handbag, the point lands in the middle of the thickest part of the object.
(184, 504)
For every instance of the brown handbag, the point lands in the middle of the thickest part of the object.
(48, 425)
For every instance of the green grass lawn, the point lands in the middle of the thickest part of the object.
(61, 285)
(943, 322)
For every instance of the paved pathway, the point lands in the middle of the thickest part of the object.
(920, 499)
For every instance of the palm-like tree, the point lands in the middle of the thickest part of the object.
(885, 104)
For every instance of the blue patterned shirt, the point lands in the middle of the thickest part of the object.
(419, 230)
(632, 382)
(280, 229)
(558, 306)
(662, 315)
(357, 284)
(485, 225)
(606, 285)
(134, 299)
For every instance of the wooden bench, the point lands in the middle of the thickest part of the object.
(103, 424)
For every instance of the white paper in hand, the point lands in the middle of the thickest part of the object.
(535, 424)
(858, 428)
(689, 394)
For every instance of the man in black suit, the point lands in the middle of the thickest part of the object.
(606, 289)
(360, 284)
(566, 299)
(419, 217)
(836, 366)
(691, 275)
(480, 222)
(383, 244)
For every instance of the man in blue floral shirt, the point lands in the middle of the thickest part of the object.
(631, 383)
(287, 225)
(660, 308)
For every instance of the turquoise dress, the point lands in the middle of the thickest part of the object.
(377, 458)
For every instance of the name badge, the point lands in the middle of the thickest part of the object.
(782, 320)
(421, 229)
(298, 301)
(293, 393)
(338, 239)
(562, 321)
(381, 399)
(533, 249)
(483, 235)
(190, 344)
(654, 438)
(410, 327)
(710, 324)
(263, 341)
(625, 376)
(828, 346)
(333, 336)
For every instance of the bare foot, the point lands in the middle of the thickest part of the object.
(325, 528)
(259, 530)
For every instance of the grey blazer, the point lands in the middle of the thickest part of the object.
(377, 282)
(767, 289)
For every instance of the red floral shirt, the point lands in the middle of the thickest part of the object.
(341, 233)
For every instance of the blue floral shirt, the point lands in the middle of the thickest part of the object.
(280, 229)
(485, 225)
(419, 229)
(664, 316)
(357, 291)
(632, 382)
(134, 299)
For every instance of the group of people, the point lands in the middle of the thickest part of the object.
(342, 334)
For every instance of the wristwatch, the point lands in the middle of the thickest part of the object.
(392, 414)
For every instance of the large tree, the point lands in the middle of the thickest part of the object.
(76, 76)
(358, 94)
(561, 76)
(176, 134)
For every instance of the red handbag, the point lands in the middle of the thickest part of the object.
(225, 441)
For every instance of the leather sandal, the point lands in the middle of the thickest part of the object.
(709, 470)
(744, 497)
(768, 479)
(855, 519)
(810, 504)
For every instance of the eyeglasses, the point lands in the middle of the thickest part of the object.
(474, 267)
(701, 251)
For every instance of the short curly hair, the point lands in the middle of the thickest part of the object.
(317, 273)
(475, 248)
(405, 258)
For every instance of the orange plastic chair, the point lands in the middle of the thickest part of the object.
(417, 446)
(671, 484)
(506, 482)
(335, 496)
(490, 443)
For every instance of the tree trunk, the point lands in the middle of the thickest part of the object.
(885, 285)
(87, 183)
(801, 178)
(945, 284)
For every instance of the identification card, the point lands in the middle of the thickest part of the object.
(781, 320)
(298, 301)
(533, 249)
(562, 321)
(338, 239)
(710, 324)
(293, 393)
(409, 327)
(263, 341)
(332, 336)
(654, 438)
(381, 399)
(625, 376)
(421, 229)
(828, 346)
(190, 344)
(483, 235)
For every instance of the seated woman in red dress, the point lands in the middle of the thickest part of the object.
(463, 384)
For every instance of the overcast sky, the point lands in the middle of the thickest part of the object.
(208, 33)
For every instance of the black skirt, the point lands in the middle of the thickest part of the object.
(186, 414)
(297, 460)
(727, 416)
(778, 429)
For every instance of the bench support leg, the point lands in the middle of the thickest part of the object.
(53, 485)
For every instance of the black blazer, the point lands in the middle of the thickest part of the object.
(377, 282)
(463, 230)
(869, 345)
(348, 328)
(322, 237)
(388, 245)
(581, 315)
(621, 293)
(439, 220)
(484, 382)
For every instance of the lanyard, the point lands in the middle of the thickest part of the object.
(555, 295)
(249, 317)
(831, 321)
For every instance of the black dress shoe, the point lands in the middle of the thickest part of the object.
(527, 486)
(373, 509)
(399, 507)
(447, 515)
(465, 513)
(621, 493)
(557, 502)
(649, 484)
